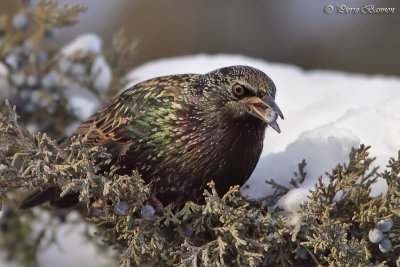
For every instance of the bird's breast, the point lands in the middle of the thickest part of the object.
(180, 162)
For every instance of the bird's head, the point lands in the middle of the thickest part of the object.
(241, 92)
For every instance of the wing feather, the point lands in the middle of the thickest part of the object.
(109, 126)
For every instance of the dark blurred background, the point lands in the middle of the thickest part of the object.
(295, 32)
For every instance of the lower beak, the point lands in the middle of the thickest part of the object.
(264, 109)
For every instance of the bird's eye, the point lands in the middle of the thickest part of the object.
(238, 90)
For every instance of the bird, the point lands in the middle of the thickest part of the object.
(182, 131)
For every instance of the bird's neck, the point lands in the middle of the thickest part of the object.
(213, 134)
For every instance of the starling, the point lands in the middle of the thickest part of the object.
(182, 131)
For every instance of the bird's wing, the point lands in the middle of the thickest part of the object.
(111, 125)
(106, 125)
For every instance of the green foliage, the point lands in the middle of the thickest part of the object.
(27, 64)
(229, 230)
(38, 81)
(340, 213)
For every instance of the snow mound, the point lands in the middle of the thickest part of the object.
(323, 148)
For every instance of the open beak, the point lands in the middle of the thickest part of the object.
(261, 109)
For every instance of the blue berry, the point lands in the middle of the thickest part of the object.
(27, 48)
(42, 57)
(270, 116)
(18, 79)
(148, 212)
(65, 64)
(77, 69)
(375, 235)
(12, 61)
(56, 96)
(6, 211)
(33, 81)
(51, 33)
(51, 79)
(385, 245)
(187, 230)
(36, 98)
(23, 101)
(20, 21)
(121, 208)
(302, 254)
(385, 225)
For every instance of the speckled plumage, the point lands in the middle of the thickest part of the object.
(181, 131)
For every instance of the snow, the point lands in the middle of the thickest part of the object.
(82, 101)
(85, 44)
(101, 73)
(82, 46)
(323, 148)
(291, 203)
(326, 113)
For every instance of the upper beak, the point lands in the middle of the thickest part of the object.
(259, 108)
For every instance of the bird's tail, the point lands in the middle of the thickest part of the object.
(51, 194)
